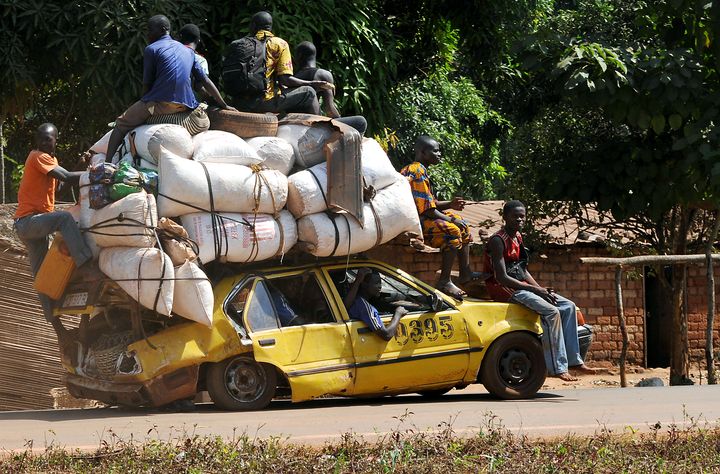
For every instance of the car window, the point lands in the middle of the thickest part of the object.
(235, 305)
(299, 300)
(394, 292)
(261, 313)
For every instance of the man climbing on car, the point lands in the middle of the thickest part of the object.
(442, 227)
(367, 285)
(506, 258)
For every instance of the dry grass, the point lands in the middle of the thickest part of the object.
(493, 449)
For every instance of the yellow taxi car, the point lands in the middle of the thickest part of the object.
(122, 356)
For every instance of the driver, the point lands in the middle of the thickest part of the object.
(367, 286)
(284, 311)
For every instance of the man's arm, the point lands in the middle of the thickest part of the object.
(496, 247)
(61, 174)
(210, 88)
(288, 80)
(352, 293)
(388, 332)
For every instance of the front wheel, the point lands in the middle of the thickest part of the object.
(241, 384)
(514, 366)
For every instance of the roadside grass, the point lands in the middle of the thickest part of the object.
(492, 449)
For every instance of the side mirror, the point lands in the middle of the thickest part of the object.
(436, 303)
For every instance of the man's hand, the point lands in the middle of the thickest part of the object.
(85, 157)
(230, 108)
(362, 273)
(546, 293)
(458, 203)
(323, 85)
(400, 311)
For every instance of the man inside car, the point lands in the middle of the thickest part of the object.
(367, 285)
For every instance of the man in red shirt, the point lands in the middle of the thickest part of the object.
(36, 218)
(506, 259)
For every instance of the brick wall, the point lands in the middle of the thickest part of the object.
(592, 288)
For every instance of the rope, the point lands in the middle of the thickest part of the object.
(378, 224)
(319, 187)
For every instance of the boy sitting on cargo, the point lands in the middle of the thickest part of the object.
(305, 58)
(367, 285)
(168, 67)
(36, 218)
(442, 228)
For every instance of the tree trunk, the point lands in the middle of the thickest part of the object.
(2, 157)
(709, 356)
(623, 327)
(679, 348)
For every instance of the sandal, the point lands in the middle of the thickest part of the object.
(451, 290)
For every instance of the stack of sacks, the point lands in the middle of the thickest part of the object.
(188, 186)
(147, 144)
(307, 190)
(390, 213)
(125, 231)
(240, 237)
(307, 141)
(216, 146)
(275, 153)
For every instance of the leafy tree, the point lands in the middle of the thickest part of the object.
(624, 104)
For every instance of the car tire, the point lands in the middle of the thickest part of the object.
(243, 124)
(241, 384)
(514, 366)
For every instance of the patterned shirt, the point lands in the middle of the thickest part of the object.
(421, 187)
(278, 61)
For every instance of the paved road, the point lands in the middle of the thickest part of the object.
(552, 413)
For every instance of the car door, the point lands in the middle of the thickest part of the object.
(315, 352)
(429, 349)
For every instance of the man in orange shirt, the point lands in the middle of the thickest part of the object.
(36, 218)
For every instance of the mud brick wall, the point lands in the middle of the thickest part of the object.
(592, 288)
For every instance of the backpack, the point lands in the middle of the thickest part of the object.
(244, 67)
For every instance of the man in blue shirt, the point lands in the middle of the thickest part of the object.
(366, 286)
(168, 69)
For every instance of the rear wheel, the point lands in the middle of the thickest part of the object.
(514, 366)
(241, 384)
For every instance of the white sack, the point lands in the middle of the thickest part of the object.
(396, 213)
(193, 296)
(216, 146)
(306, 194)
(101, 145)
(96, 159)
(86, 213)
(275, 153)
(237, 242)
(153, 269)
(233, 188)
(307, 142)
(155, 141)
(129, 222)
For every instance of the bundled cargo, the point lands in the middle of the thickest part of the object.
(146, 274)
(188, 186)
(129, 222)
(276, 153)
(236, 237)
(217, 146)
(153, 142)
(391, 212)
(193, 295)
(86, 213)
(308, 189)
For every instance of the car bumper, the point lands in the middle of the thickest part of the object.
(155, 392)
(584, 338)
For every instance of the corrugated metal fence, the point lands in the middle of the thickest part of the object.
(29, 356)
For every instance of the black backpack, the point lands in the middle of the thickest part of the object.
(244, 67)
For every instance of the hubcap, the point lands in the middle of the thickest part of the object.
(245, 380)
(515, 366)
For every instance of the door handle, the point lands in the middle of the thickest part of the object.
(267, 342)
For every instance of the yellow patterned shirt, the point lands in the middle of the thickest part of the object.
(278, 61)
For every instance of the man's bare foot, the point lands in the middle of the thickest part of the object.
(583, 369)
(566, 377)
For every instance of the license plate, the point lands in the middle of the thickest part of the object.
(75, 300)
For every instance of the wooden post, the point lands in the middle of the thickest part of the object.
(709, 356)
(623, 327)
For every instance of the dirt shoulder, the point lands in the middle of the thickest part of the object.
(609, 377)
